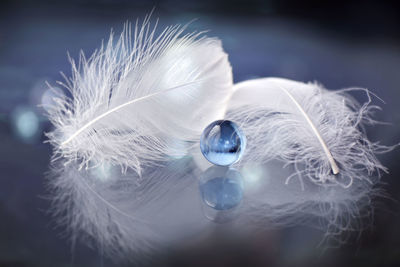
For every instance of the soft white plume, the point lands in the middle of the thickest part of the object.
(318, 131)
(135, 98)
(139, 103)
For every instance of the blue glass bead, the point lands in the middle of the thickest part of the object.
(224, 191)
(222, 142)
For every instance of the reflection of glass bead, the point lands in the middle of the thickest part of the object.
(222, 142)
(222, 188)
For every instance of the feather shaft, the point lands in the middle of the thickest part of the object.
(90, 123)
(334, 166)
(308, 126)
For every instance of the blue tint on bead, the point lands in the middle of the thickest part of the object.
(222, 142)
(222, 192)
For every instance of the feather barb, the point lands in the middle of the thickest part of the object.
(90, 123)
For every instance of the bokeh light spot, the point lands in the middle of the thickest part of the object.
(48, 96)
(26, 124)
(252, 174)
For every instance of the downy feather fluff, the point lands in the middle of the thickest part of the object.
(138, 99)
(128, 217)
(319, 132)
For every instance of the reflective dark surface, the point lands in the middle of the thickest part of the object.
(339, 43)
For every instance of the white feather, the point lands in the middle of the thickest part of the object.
(135, 103)
(320, 132)
(133, 98)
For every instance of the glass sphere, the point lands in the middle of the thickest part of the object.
(222, 188)
(222, 142)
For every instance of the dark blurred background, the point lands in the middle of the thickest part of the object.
(340, 44)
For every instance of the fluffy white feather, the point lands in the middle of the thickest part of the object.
(136, 102)
(137, 96)
(320, 132)
(128, 217)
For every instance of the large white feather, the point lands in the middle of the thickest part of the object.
(134, 103)
(129, 217)
(320, 132)
(135, 98)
